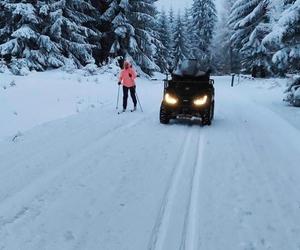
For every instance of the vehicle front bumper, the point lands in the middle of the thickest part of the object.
(186, 111)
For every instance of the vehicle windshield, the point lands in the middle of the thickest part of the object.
(189, 68)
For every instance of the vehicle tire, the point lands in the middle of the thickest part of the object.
(206, 121)
(208, 116)
(212, 113)
(164, 116)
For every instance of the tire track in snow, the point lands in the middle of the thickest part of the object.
(190, 238)
(160, 229)
(158, 239)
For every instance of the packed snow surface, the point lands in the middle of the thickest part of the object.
(75, 175)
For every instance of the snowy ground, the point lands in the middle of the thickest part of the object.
(38, 98)
(91, 179)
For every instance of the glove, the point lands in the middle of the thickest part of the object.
(130, 75)
(119, 83)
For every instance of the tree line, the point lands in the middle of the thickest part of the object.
(252, 36)
(46, 34)
(261, 37)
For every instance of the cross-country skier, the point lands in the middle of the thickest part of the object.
(127, 79)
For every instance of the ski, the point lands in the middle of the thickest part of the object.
(131, 111)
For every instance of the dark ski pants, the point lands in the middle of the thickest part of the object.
(125, 96)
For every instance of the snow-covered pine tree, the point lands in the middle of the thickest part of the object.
(121, 29)
(101, 53)
(284, 40)
(72, 26)
(179, 46)
(162, 57)
(142, 17)
(171, 19)
(3, 27)
(225, 59)
(47, 33)
(3, 66)
(221, 49)
(203, 23)
(188, 30)
(3, 34)
(101, 5)
(133, 24)
(171, 23)
(250, 22)
(20, 33)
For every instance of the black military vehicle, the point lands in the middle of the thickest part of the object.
(189, 94)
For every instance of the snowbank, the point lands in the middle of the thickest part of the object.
(28, 101)
(41, 97)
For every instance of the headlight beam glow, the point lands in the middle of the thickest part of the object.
(200, 101)
(170, 99)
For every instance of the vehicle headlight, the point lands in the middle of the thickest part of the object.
(200, 100)
(170, 99)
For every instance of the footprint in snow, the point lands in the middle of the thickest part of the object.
(68, 235)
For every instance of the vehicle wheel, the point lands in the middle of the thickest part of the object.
(212, 112)
(164, 116)
(208, 116)
(206, 121)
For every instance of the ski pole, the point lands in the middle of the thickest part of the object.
(118, 97)
(138, 101)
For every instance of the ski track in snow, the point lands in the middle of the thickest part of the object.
(50, 176)
(98, 180)
(158, 237)
(189, 239)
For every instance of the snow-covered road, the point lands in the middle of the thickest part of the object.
(98, 180)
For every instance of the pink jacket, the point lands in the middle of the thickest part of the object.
(127, 77)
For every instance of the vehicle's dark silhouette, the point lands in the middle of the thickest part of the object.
(189, 94)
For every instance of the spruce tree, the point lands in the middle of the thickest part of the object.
(71, 26)
(171, 19)
(179, 46)
(20, 33)
(4, 33)
(117, 15)
(188, 31)
(221, 46)
(142, 17)
(164, 42)
(101, 53)
(171, 23)
(284, 39)
(250, 22)
(47, 34)
(133, 25)
(203, 23)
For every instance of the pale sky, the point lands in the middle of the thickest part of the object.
(181, 4)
